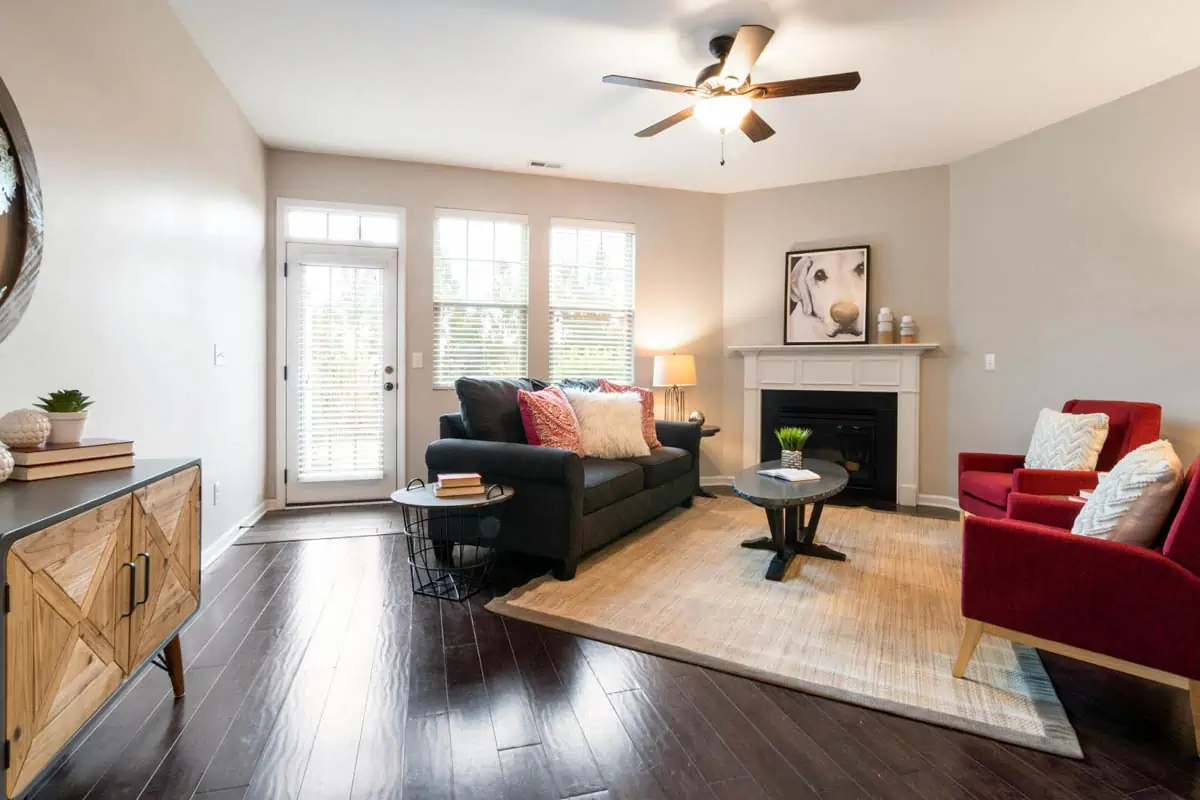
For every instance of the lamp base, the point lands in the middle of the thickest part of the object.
(673, 412)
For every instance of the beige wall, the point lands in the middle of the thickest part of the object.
(679, 234)
(1075, 258)
(154, 199)
(904, 217)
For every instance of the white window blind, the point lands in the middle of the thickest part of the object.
(480, 296)
(591, 300)
(340, 402)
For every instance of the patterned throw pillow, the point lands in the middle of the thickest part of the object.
(549, 420)
(1067, 441)
(610, 424)
(647, 396)
(1132, 502)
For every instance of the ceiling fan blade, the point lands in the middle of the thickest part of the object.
(842, 82)
(662, 125)
(645, 83)
(755, 127)
(748, 45)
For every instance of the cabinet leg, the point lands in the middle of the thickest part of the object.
(174, 659)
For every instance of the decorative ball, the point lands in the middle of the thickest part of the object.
(696, 417)
(25, 428)
(6, 463)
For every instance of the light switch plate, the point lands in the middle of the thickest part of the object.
(418, 360)
(989, 362)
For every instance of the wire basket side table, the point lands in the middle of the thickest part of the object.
(451, 540)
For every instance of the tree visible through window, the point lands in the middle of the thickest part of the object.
(591, 300)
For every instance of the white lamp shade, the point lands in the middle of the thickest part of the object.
(675, 370)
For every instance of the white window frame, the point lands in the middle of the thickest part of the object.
(490, 216)
(596, 225)
(278, 356)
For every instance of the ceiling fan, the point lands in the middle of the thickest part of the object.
(723, 91)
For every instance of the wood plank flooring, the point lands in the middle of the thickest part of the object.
(313, 672)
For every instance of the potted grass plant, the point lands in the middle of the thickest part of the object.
(792, 441)
(67, 410)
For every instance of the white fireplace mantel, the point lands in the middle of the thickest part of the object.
(894, 368)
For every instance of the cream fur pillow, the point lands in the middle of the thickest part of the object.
(1132, 502)
(610, 424)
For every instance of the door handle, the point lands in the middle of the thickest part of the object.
(145, 581)
(387, 387)
(132, 588)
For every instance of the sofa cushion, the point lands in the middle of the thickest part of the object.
(606, 481)
(583, 384)
(489, 407)
(663, 464)
(990, 487)
(1131, 503)
(1066, 441)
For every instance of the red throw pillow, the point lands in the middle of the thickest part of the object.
(549, 420)
(648, 431)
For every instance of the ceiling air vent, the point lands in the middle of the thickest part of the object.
(545, 165)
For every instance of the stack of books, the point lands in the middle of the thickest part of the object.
(61, 460)
(459, 484)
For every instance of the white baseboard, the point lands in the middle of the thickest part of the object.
(938, 501)
(716, 480)
(226, 540)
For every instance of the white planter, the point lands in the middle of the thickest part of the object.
(66, 427)
(6, 463)
(792, 459)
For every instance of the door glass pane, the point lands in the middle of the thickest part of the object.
(340, 397)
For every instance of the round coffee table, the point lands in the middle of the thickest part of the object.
(784, 503)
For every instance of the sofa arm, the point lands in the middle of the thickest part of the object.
(1056, 512)
(1054, 481)
(495, 460)
(684, 435)
(989, 462)
(1112, 598)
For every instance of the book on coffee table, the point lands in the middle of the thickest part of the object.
(791, 475)
(66, 468)
(76, 451)
(456, 479)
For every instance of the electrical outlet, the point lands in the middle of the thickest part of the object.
(216, 493)
(418, 360)
(218, 356)
(989, 362)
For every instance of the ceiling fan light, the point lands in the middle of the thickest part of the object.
(723, 112)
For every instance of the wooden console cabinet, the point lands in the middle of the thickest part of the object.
(100, 572)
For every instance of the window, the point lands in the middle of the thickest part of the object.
(591, 300)
(480, 296)
(314, 224)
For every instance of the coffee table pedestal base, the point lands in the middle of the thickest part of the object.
(785, 539)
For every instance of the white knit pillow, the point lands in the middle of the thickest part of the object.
(1067, 441)
(1132, 502)
(610, 424)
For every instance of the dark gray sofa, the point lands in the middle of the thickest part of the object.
(566, 506)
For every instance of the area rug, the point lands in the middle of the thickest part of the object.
(880, 629)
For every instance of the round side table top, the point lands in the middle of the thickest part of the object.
(423, 497)
(762, 490)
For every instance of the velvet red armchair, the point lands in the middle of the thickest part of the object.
(986, 479)
(1030, 580)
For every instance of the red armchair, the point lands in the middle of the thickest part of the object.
(1029, 580)
(986, 479)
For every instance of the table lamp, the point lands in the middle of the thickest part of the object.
(673, 372)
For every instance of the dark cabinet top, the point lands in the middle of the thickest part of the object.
(29, 507)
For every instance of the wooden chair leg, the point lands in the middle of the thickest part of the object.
(174, 659)
(967, 649)
(1194, 696)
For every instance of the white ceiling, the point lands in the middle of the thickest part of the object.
(497, 83)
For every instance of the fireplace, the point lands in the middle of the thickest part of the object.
(854, 429)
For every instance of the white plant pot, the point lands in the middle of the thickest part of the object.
(792, 459)
(66, 427)
(6, 463)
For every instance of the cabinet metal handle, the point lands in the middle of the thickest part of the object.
(145, 580)
(132, 588)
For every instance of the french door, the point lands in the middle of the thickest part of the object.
(342, 398)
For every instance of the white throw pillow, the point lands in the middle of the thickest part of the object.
(1132, 502)
(1067, 441)
(610, 424)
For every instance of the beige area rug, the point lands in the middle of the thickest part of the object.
(880, 630)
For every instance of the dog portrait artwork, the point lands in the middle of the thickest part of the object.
(826, 300)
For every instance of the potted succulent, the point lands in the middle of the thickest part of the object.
(792, 441)
(67, 410)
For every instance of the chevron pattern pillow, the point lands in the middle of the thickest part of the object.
(1132, 502)
(1066, 441)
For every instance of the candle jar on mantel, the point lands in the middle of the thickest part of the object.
(887, 331)
(908, 330)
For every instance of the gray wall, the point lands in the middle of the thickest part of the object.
(904, 217)
(1075, 258)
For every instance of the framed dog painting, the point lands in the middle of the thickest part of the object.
(825, 299)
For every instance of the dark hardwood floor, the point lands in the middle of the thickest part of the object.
(313, 672)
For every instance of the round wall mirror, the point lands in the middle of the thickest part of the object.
(20, 217)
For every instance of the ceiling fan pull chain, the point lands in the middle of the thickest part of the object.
(722, 147)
